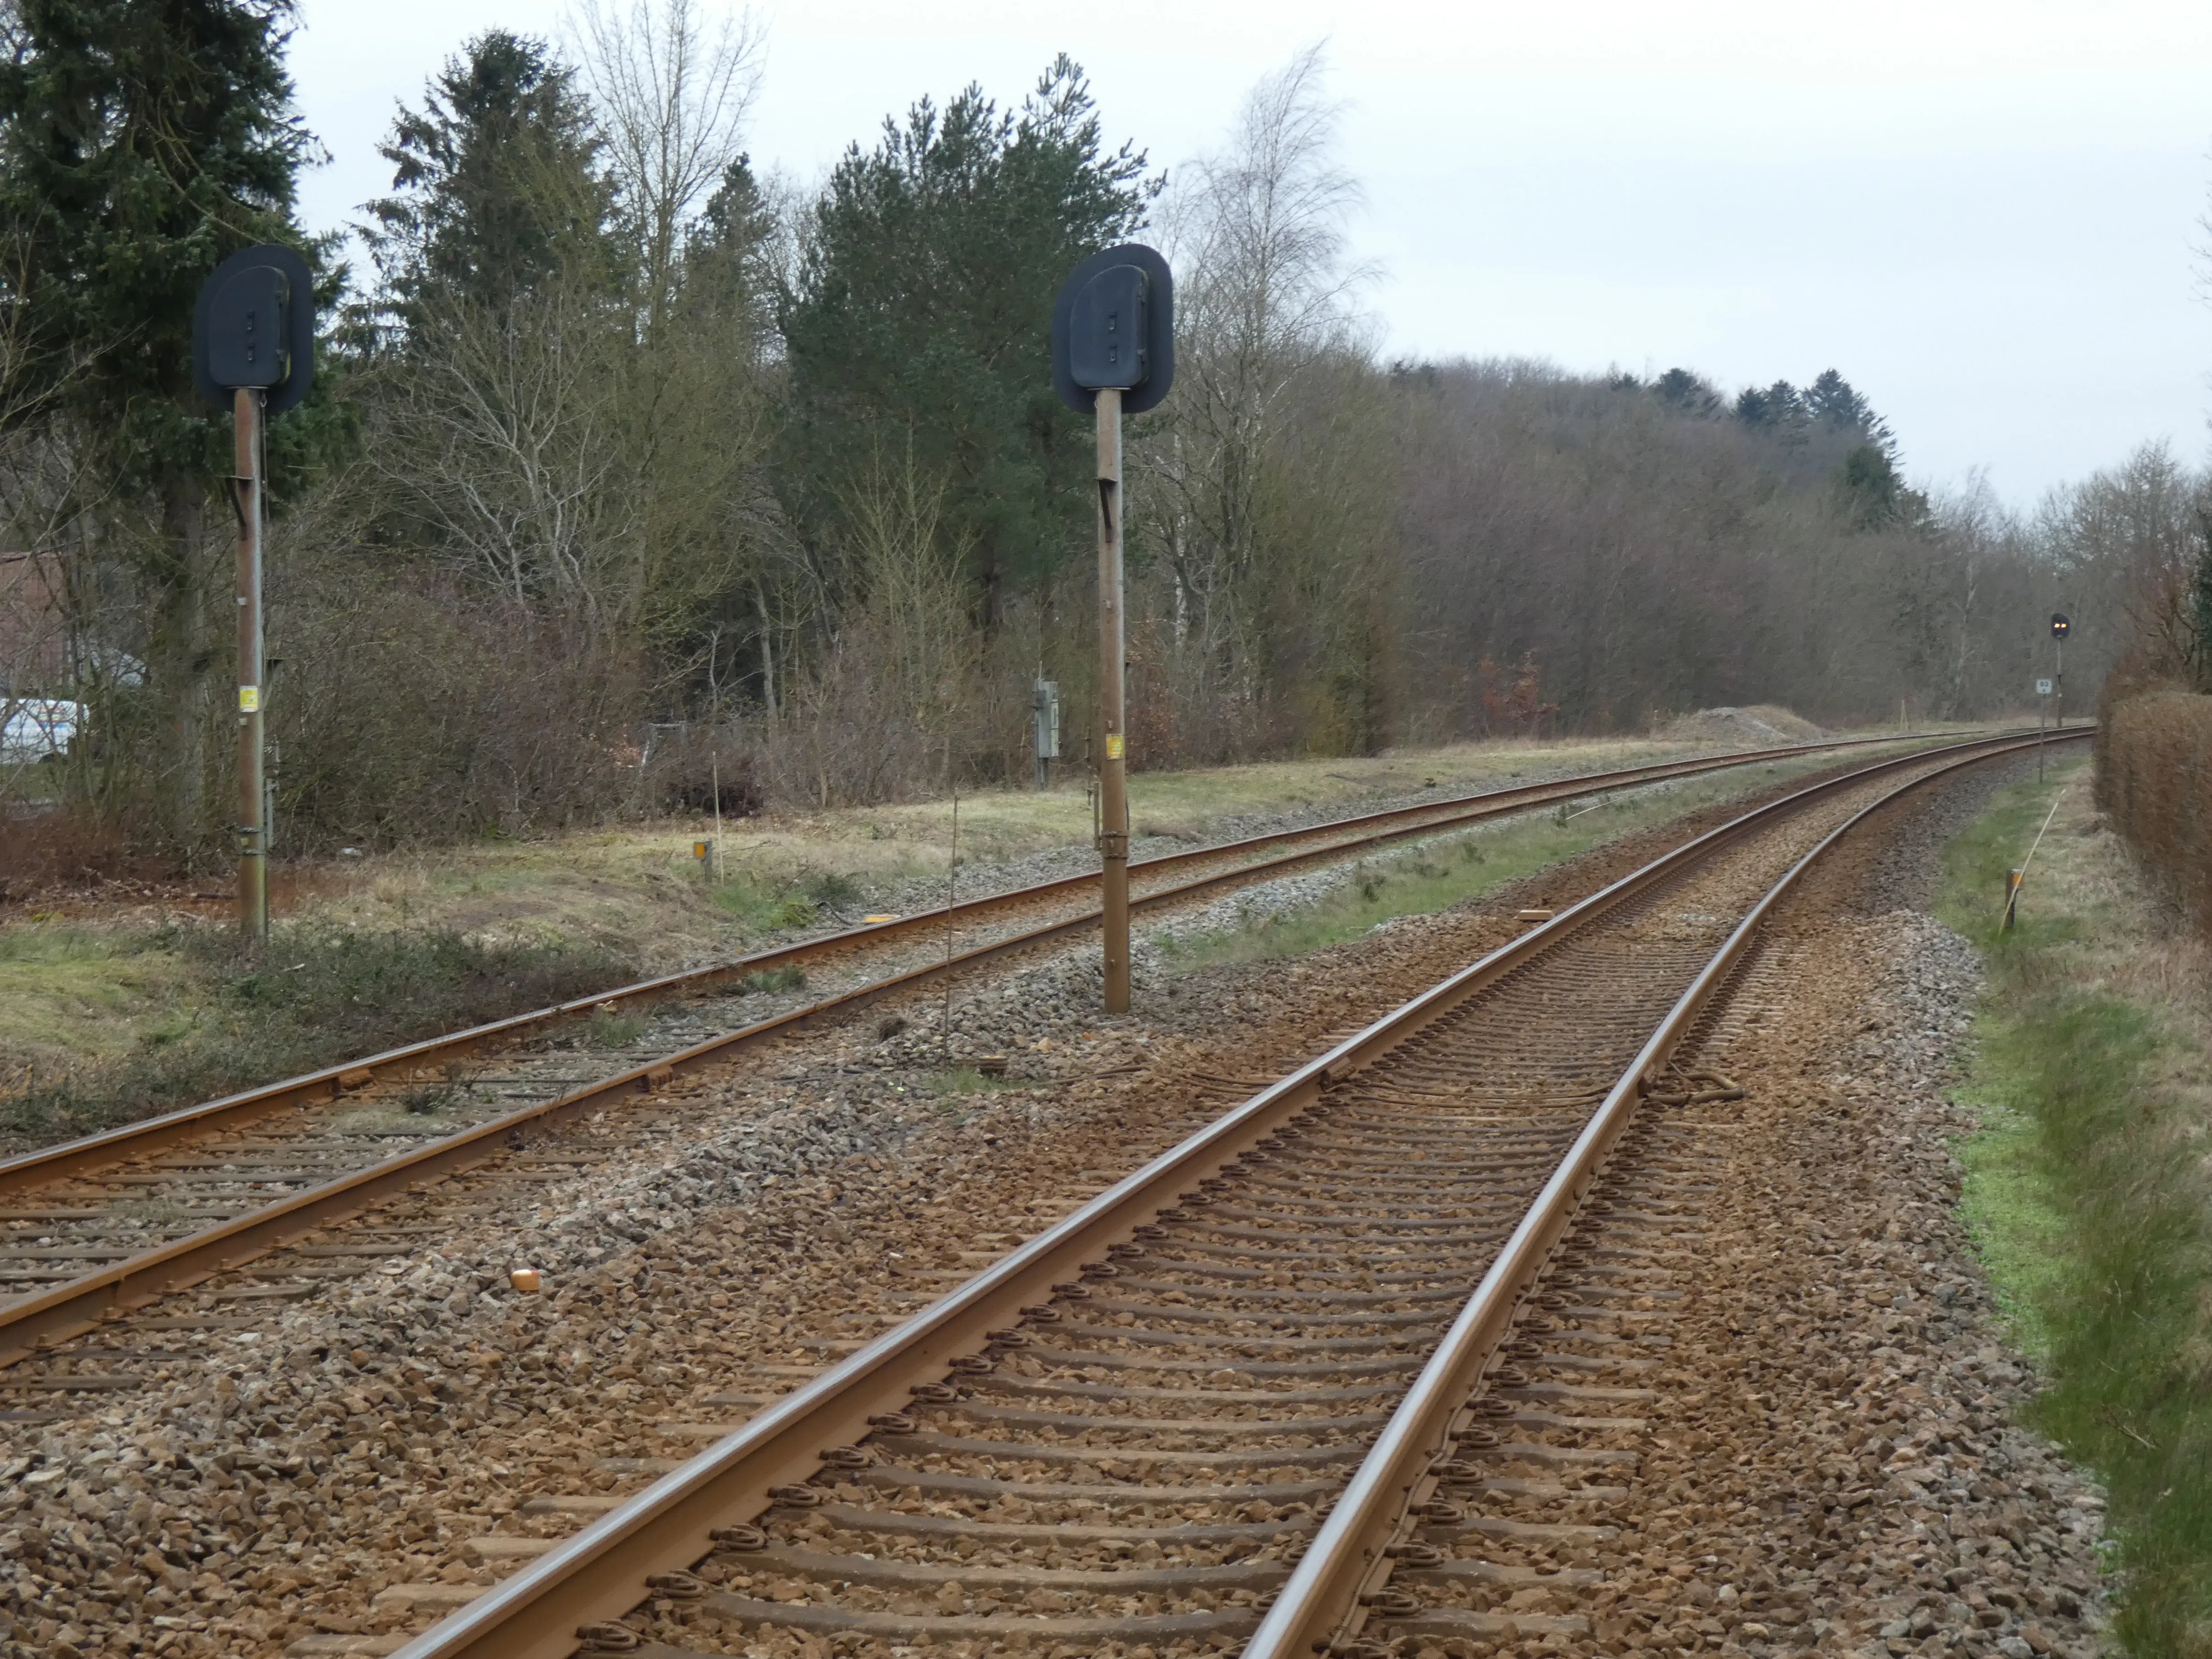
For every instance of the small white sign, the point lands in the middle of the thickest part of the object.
(2043, 687)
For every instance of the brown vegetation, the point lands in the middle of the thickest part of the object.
(2155, 782)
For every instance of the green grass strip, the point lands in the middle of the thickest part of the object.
(2090, 1193)
(315, 996)
(1460, 866)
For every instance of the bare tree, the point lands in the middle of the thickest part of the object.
(885, 701)
(672, 92)
(1258, 232)
(2130, 535)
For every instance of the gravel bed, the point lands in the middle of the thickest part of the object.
(255, 1493)
(1834, 1453)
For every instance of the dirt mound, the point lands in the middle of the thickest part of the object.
(1762, 725)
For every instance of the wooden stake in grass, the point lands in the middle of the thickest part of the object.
(2013, 879)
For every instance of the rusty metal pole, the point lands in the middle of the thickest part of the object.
(1113, 781)
(253, 831)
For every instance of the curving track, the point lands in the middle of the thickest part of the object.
(1267, 1391)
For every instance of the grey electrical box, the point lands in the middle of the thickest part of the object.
(1045, 707)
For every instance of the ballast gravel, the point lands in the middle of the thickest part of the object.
(310, 1484)
(1833, 1463)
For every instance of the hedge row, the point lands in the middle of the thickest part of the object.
(2154, 784)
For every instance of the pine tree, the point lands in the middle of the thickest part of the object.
(497, 186)
(1778, 408)
(1834, 405)
(142, 142)
(1868, 489)
(726, 270)
(920, 314)
(1690, 392)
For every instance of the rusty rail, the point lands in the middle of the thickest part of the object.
(47, 1165)
(601, 1572)
(75, 1305)
(1319, 1610)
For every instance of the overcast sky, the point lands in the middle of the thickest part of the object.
(1985, 214)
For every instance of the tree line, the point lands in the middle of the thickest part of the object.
(633, 471)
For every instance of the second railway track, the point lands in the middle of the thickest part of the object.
(118, 1220)
(1239, 1401)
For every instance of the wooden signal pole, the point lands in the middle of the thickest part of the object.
(1113, 778)
(252, 831)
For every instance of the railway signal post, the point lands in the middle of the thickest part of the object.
(1113, 353)
(253, 349)
(2060, 628)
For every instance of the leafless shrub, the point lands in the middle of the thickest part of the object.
(883, 708)
(411, 708)
(2154, 783)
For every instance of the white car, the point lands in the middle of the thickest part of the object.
(38, 728)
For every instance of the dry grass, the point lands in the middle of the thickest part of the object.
(104, 1025)
(86, 997)
(639, 887)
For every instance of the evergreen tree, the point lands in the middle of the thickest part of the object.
(1832, 404)
(725, 269)
(918, 318)
(1692, 393)
(142, 142)
(1871, 495)
(1778, 408)
(497, 185)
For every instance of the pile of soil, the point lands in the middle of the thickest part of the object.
(1762, 725)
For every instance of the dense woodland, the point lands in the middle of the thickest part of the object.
(630, 465)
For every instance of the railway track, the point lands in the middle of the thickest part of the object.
(1357, 1362)
(115, 1222)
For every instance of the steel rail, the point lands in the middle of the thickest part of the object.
(601, 1572)
(74, 1306)
(1320, 1609)
(85, 1154)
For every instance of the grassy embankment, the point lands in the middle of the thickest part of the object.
(2089, 1187)
(637, 885)
(113, 1024)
